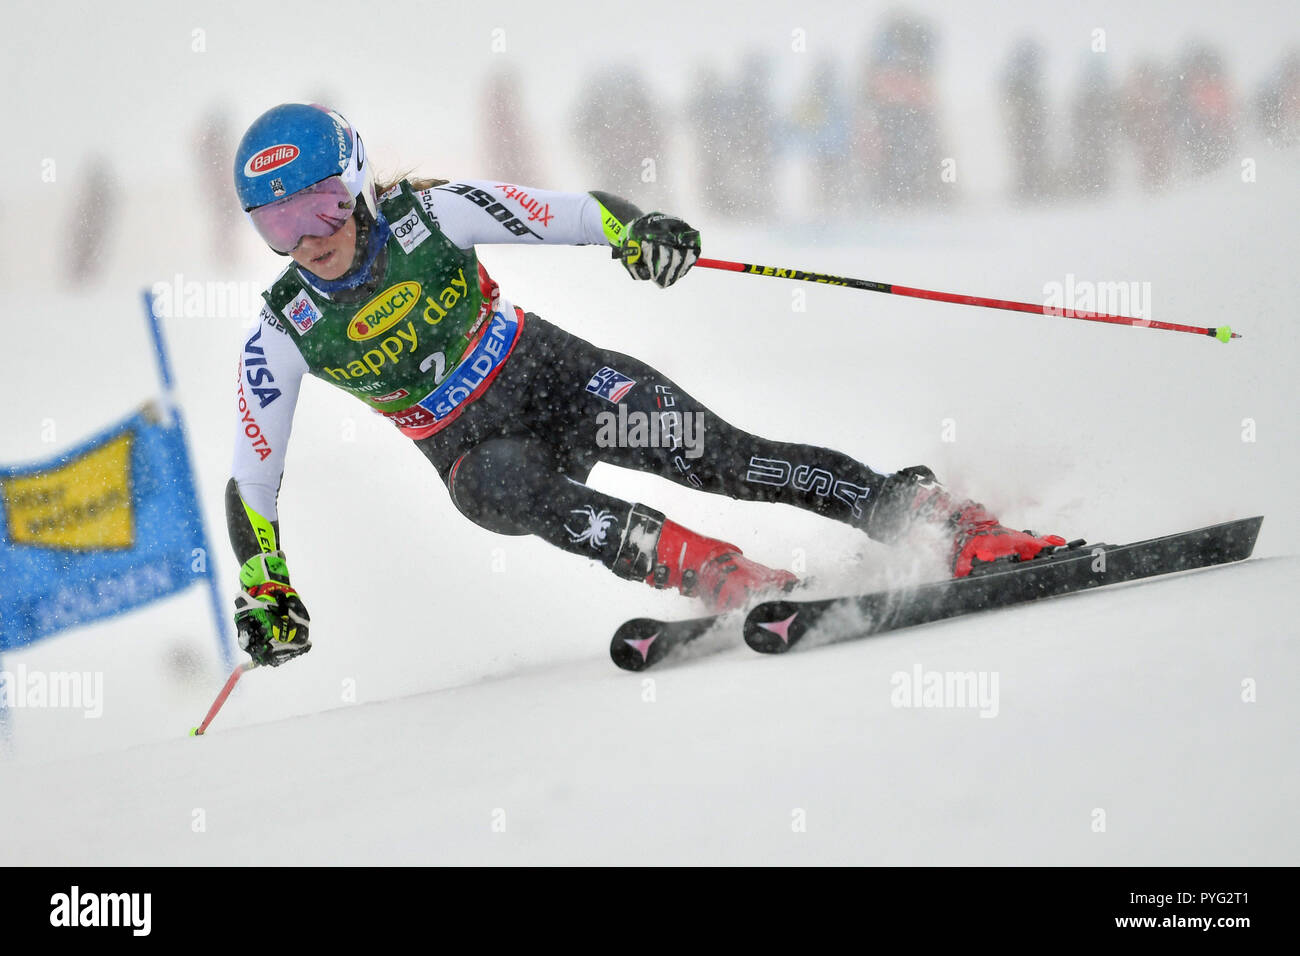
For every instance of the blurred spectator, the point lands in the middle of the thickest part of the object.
(903, 101)
(505, 135)
(1147, 121)
(1203, 110)
(750, 140)
(866, 147)
(214, 149)
(819, 126)
(733, 132)
(620, 135)
(1277, 105)
(707, 115)
(1088, 170)
(1026, 117)
(95, 205)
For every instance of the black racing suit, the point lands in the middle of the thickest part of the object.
(516, 461)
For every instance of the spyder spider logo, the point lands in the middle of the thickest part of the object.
(597, 528)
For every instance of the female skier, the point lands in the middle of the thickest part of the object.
(386, 299)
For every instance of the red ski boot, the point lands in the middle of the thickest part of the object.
(980, 538)
(914, 497)
(712, 570)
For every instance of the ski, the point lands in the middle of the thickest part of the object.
(644, 641)
(774, 627)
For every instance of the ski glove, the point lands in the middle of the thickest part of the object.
(269, 615)
(659, 247)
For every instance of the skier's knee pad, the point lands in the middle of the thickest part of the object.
(489, 483)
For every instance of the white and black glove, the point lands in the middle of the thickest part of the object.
(270, 618)
(660, 248)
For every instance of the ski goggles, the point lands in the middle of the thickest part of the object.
(321, 209)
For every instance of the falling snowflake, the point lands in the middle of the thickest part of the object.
(598, 523)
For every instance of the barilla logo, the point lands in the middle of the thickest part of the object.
(384, 311)
(273, 157)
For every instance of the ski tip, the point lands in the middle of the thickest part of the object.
(634, 645)
(772, 628)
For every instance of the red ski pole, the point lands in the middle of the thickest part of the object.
(221, 698)
(1223, 333)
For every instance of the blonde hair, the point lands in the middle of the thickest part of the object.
(382, 186)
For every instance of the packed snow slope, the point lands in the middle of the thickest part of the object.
(1125, 704)
(463, 709)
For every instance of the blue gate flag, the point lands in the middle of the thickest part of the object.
(104, 528)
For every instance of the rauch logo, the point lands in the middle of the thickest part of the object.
(273, 157)
(384, 311)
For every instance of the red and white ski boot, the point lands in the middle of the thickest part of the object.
(913, 497)
(666, 555)
(712, 570)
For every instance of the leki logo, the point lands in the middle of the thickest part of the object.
(273, 157)
(384, 311)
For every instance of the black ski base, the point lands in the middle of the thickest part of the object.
(774, 627)
(643, 641)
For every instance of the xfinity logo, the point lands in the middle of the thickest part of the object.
(102, 909)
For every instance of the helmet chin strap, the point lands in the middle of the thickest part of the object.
(372, 236)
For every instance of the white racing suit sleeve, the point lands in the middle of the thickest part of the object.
(270, 374)
(472, 212)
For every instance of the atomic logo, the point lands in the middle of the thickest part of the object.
(780, 628)
(642, 646)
